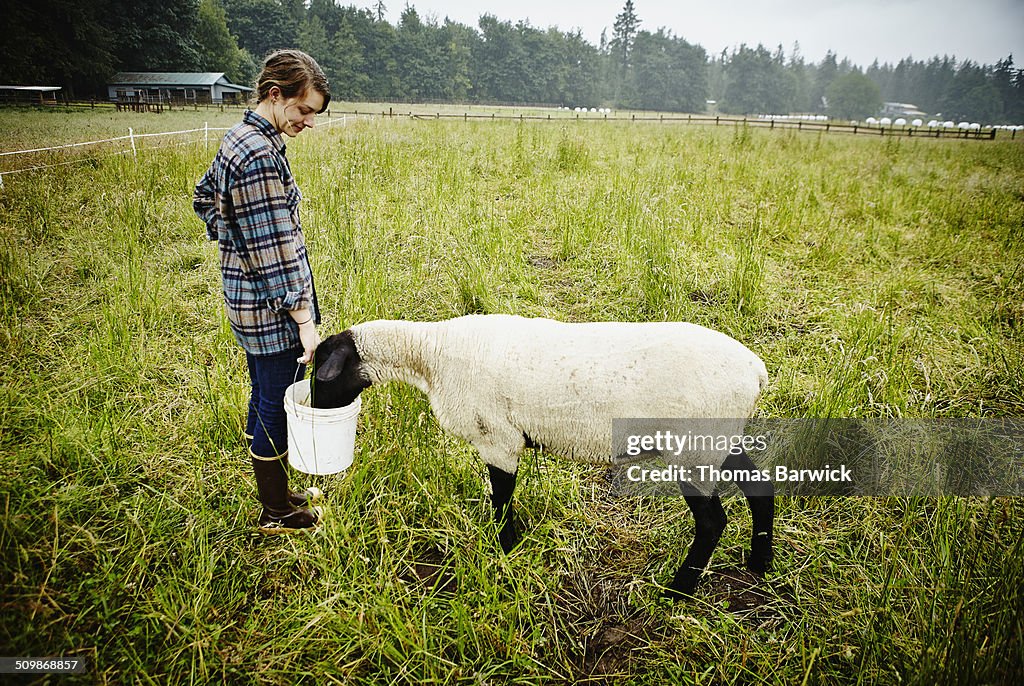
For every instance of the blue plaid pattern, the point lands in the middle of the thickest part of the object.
(250, 205)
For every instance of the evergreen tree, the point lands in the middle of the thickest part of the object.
(882, 76)
(972, 96)
(582, 67)
(456, 44)
(155, 35)
(853, 96)
(1015, 112)
(379, 41)
(57, 42)
(499, 60)
(669, 74)
(545, 64)
(801, 81)
(825, 74)
(757, 83)
(1003, 79)
(217, 48)
(621, 47)
(415, 63)
(261, 26)
(606, 70)
(938, 77)
(716, 78)
(330, 15)
(338, 54)
(901, 83)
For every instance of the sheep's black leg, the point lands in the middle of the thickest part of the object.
(709, 523)
(502, 485)
(760, 497)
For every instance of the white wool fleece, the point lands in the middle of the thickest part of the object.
(495, 379)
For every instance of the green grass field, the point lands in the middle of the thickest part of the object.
(875, 277)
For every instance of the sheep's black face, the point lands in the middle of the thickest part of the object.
(338, 377)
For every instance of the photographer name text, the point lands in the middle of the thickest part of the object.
(709, 474)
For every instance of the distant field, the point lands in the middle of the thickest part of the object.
(876, 278)
(35, 127)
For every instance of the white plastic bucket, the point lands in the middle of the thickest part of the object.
(319, 441)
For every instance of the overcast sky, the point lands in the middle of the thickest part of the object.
(984, 31)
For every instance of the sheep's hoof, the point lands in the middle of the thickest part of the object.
(672, 595)
(508, 538)
(683, 585)
(759, 564)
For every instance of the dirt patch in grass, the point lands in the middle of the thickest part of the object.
(430, 573)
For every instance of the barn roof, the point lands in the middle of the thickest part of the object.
(172, 78)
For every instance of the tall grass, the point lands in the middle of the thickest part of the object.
(876, 279)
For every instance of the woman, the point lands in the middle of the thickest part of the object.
(250, 204)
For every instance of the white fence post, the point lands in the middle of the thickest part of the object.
(131, 135)
(206, 134)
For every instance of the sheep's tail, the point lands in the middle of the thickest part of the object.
(762, 378)
(762, 383)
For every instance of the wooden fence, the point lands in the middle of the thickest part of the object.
(707, 120)
(138, 103)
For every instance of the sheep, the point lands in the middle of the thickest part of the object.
(505, 383)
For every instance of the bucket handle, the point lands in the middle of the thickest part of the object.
(295, 379)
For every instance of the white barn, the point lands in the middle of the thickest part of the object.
(158, 86)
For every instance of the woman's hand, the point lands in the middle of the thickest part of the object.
(308, 335)
(310, 340)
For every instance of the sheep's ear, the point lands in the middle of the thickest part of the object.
(334, 365)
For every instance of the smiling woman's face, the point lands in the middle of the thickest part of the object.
(292, 115)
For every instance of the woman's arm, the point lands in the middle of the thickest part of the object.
(268, 234)
(204, 202)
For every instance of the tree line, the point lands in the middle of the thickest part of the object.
(80, 45)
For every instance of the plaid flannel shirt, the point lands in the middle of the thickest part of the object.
(250, 205)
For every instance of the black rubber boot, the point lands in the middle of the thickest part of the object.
(306, 497)
(303, 498)
(279, 516)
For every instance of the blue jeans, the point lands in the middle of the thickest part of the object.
(267, 423)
